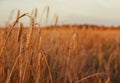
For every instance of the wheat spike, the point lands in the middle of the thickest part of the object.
(20, 31)
(56, 20)
(18, 13)
(47, 14)
(30, 32)
(35, 13)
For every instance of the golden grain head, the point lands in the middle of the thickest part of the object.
(56, 20)
(47, 13)
(29, 38)
(35, 12)
(29, 35)
(18, 13)
(20, 31)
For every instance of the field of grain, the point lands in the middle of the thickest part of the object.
(60, 54)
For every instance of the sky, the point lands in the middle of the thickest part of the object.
(100, 12)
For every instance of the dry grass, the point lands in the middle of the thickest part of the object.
(69, 54)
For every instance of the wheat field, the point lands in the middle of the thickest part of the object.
(60, 54)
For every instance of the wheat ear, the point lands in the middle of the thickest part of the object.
(20, 31)
(30, 32)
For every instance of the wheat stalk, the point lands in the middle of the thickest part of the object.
(90, 76)
(49, 70)
(16, 61)
(39, 39)
(25, 68)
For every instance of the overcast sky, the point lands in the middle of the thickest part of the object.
(105, 12)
